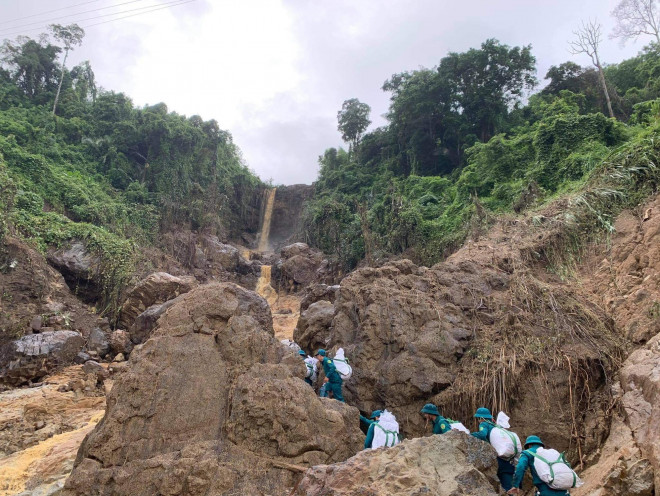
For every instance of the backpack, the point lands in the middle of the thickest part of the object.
(312, 368)
(458, 426)
(344, 370)
(386, 431)
(290, 344)
(506, 443)
(557, 473)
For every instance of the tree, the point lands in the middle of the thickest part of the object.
(587, 41)
(32, 66)
(71, 36)
(636, 18)
(353, 120)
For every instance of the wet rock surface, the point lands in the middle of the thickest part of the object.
(80, 269)
(212, 403)
(452, 464)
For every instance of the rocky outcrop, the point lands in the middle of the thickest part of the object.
(449, 465)
(640, 382)
(212, 403)
(80, 269)
(299, 266)
(313, 325)
(154, 289)
(621, 469)
(146, 321)
(36, 296)
(34, 356)
(287, 208)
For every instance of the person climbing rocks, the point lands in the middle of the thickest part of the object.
(383, 431)
(333, 380)
(371, 421)
(532, 443)
(432, 414)
(505, 468)
(311, 365)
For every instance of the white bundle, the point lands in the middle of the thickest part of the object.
(342, 366)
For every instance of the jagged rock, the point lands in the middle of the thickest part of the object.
(81, 358)
(120, 342)
(155, 289)
(212, 404)
(224, 255)
(621, 469)
(96, 369)
(32, 357)
(314, 324)
(640, 381)
(146, 321)
(296, 249)
(98, 342)
(36, 323)
(80, 269)
(452, 464)
(318, 292)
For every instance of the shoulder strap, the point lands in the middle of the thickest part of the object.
(394, 435)
(513, 440)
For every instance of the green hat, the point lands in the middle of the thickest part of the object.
(375, 413)
(320, 352)
(302, 352)
(431, 409)
(533, 440)
(483, 413)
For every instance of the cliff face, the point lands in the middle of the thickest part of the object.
(288, 206)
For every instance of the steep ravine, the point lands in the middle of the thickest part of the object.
(480, 328)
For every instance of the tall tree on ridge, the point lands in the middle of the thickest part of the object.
(71, 35)
(587, 40)
(353, 120)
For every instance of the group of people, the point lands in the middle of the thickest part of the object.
(383, 431)
(510, 470)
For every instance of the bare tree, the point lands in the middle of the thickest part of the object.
(71, 35)
(636, 18)
(587, 40)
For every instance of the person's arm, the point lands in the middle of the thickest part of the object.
(365, 420)
(523, 464)
(370, 437)
(482, 433)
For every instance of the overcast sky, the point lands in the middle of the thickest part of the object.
(275, 72)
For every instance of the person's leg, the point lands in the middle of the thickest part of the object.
(335, 387)
(505, 473)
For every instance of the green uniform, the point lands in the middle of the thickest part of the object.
(505, 469)
(527, 461)
(441, 425)
(370, 435)
(334, 379)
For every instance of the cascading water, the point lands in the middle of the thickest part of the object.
(264, 235)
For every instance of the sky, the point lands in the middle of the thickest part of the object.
(274, 73)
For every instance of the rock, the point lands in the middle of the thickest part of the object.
(301, 270)
(81, 269)
(96, 369)
(120, 342)
(620, 470)
(36, 323)
(98, 342)
(119, 358)
(82, 357)
(449, 465)
(219, 253)
(640, 382)
(154, 289)
(296, 249)
(32, 357)
(146, 321)
(212, 401)
(318, 292)
(314, 325)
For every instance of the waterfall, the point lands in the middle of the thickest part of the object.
(265, 224)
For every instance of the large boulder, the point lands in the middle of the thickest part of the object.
(314, 324)
(212, 404)
(80, 268)
(34, 356)
(146, 321)
(226, 256)
(449, 465)
(640, 381)
(155, 289)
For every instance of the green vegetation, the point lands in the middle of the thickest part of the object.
(461, 146)
(104, 171)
